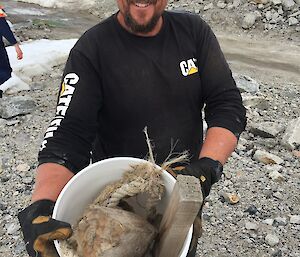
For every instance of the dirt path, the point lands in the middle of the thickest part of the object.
(268, 59)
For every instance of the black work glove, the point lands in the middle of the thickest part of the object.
(40, 230)
(207, 170)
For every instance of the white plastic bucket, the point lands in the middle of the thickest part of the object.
(86, 185)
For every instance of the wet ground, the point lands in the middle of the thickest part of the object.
(35, 22)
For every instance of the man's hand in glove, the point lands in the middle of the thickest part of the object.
(207, 170)
(39, 229)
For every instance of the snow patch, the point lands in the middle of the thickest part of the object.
(23, 11)
(14, 84)
(39, 58)
(61, 4)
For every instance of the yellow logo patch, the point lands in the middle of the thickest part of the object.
(188, 67)
(63, 88)
(193, 70)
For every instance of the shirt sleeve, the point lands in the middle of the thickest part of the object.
(222, 98)
(6, 32)
(68, 140)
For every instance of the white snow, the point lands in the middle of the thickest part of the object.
(23, 11)
(14, 84)
(39, 58)
(60, 4)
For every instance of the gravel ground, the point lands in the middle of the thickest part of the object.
(264, 222)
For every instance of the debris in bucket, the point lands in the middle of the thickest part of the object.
(107, 232)
(110, 226)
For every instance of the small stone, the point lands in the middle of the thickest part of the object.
(268, 15)
(12, 122)
(288, 5)
(208, 6)
(260, 6)
(251, 226)
(266, 129)
(251, 210)
(296, 153)
(4, 179)
(221, 4)
(236, 3)
(291, 137)
(280, 11)
(16, 106)
(27, 180)
(23, 167)
(266, 158)
(12, 228)
(278, 195)
(295, 219)
(277, 253)
(20, 248)
(268, 221)
(279, 221)
(272, 239)
(2, 206)
(261, 103)
(293, 21)
(206, 217)
(231, 198)
(3, 122)
(275, 175)
(295, 14)
(227, 183)
(227, 175)
(273, 167)
(235, 155)
(246, 83)
(249, 20)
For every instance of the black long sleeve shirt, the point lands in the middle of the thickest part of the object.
(116, 83)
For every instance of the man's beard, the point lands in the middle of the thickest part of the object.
(138, 28)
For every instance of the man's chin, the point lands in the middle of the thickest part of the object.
(141, 27)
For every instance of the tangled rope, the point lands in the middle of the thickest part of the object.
(141, 178)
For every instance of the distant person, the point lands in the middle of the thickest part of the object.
(5, 31)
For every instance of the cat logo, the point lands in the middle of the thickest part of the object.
(65, 97)
(188, 67)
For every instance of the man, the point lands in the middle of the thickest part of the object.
(5, 31)
(141, 67)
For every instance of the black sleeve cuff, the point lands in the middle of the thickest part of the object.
(71, 162)
(234, 124)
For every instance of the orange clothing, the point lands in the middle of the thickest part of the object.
(2, 12)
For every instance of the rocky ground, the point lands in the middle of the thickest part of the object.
(255, 209)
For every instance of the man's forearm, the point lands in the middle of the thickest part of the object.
(50, 180)
(218, 144)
